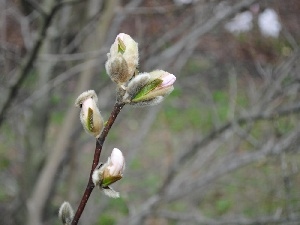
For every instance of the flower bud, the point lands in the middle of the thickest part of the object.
(109, 173)
(66, 213)
(90, 116)
(126, 48)
(150, 89)
(116, 164)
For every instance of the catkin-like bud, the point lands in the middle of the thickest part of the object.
(90, 116)
(66, 213)
(124, 48)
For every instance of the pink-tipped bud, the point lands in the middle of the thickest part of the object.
(150, 91)
(168, 79)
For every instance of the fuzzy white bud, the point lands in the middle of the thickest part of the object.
(116, 67)
(66, 213)
(90, 116)
(149, 88)
(123, 59)
(109, 173)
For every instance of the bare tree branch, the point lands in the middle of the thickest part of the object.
(167, 193)
(197, 31)
(99, 144)
(196, 218)
(41, 190)
(28, 62)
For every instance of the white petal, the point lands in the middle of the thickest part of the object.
(111, 193)
(242, 22)
(269, 24)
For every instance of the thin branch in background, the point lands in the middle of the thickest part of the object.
(165, 194)
(199, 219)
(24, 22)
(287, 182)
(231, 164)
(29, 60)
(73, 57)
(55, 82)
(233, 92)
(197, 31)
(83, 33)
(31, 57)
(37, 6)
(152, 10)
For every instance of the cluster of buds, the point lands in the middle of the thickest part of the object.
(136, 89)
(109, 172)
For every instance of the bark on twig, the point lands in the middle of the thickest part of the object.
(99, 144)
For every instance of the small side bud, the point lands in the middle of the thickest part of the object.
(90, 116)
(109, 173)
(125, 46)
(66, 213)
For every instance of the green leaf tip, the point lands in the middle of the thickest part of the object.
(90, 121)
(146, 89)
(121, 46)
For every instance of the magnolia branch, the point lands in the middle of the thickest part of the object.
(99, 144)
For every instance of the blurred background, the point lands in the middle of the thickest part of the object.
(223, 148)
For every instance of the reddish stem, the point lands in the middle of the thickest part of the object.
(99, 144)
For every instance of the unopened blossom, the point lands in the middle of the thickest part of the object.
(122, 59)
(66, 213)
(149, 88)
(90, 116)
(117, 163)
(109, 173)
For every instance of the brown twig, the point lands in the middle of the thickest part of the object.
(99, 144)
